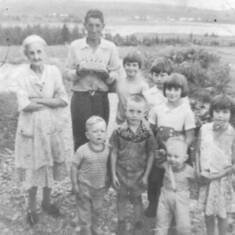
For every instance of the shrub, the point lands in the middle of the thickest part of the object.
(202, 69)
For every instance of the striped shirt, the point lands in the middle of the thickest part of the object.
(91, 165)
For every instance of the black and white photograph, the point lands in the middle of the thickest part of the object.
(117, 117)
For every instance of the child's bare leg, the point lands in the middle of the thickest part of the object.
(138, 213)
(138, 208)
(210, 225)
(222, 226)
(46, 197)
(51, 209)
(122, 204)
(32, 206)
(32, 217)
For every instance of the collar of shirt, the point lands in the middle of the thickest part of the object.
(40, 81)
(141, 133)
(102, 44)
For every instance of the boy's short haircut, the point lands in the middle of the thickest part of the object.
(221, 102)
(178, 144)
(93, 120)
(94, 13)
(161, 65)
(133, 57)
(203, 95)
(137, 98)
(176, 80)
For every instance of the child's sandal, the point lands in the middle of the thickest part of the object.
(32, 218)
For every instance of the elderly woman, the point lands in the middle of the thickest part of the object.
(93, 65)
(40, 148)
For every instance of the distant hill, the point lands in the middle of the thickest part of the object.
(114, 11)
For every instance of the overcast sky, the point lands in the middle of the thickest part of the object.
(210, 4)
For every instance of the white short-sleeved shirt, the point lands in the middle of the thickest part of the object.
(179, 118)
(104, 58)
(154, 97)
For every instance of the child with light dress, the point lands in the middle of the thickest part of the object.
(172, 118)
(132, 153)
(89, 176)
(216, 157)
(174, 202)
(132, 83)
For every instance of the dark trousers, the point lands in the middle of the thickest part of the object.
(83, 106)
(154, 186)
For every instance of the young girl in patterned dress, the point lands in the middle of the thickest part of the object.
(172, 118)
(216, 157)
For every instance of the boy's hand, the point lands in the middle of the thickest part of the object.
(145, 180)
(116, 182)
(161, 156)
(204, 178)
(113, 76)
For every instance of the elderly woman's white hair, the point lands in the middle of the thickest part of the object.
(32, 39)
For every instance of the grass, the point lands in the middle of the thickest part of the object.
(8, 119)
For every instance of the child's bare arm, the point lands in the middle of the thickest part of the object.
(115, 180)
(74, 178)
(189, 134)
(233, 157)
(153, 128)
(148, 168)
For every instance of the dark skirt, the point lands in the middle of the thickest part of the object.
(83, 106)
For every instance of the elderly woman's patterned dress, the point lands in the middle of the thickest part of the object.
(43, 138)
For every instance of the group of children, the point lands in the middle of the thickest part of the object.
(159, 147)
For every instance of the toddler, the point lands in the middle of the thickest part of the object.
(89, 175)
(174, 200)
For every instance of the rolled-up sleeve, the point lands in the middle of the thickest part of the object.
(70, 65)
(22, 99)
(114, 62)
(113, 141)
(17, 86)
(59, 86)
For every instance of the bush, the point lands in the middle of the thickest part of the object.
(201, 68)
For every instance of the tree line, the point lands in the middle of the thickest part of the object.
(58, 35)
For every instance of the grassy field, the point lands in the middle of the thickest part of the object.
(12, 203)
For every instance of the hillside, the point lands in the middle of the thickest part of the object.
(113, 10)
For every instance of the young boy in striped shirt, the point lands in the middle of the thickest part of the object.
(89, 176)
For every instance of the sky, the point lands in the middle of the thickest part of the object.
(204, 4)
(209, 4)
